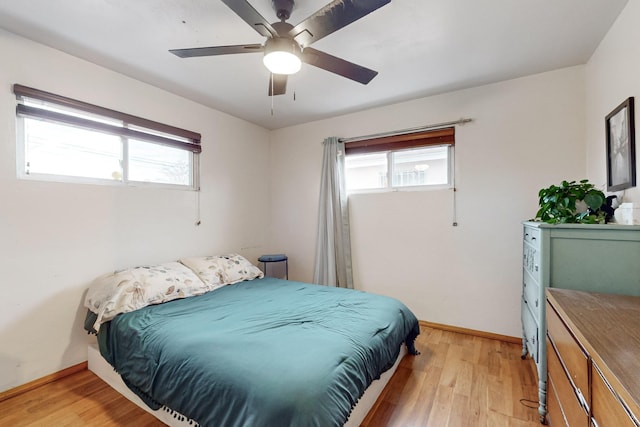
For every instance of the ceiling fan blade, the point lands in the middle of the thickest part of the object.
(244, 10)
(331, 18)
(338, 66)
(217, 50)
(277, 84)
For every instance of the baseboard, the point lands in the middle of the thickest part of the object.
(12, 392)
(483, 334)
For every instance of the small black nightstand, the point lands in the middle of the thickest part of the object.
(267, 259)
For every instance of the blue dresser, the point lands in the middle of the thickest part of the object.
(595, 258)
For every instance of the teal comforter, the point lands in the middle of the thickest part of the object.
(266, 352)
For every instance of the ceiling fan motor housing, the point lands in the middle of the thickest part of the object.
(283, 8)
(282, 44)
(282, 55)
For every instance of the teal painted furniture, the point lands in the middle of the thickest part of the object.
(601, 258)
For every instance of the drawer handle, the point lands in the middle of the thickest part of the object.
(594, 422)
(533, 238)
(536, 267)
(536, 303)
(582, 400)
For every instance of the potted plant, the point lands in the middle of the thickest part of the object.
(572, 202)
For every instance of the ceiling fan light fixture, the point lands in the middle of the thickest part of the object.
(282, 56)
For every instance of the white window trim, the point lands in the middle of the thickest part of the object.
(21, 167)
(429, 187)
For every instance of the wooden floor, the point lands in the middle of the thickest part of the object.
(457, 380)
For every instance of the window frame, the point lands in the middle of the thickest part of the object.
(441, 137)
(131, 128)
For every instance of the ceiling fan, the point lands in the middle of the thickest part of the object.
(287, 46)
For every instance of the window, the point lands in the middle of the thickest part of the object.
(63, 139)
(409, 160)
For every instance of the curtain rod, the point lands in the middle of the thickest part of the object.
(404, 131)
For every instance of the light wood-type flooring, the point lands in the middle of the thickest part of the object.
(457, 380)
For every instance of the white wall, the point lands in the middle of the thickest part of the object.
(612, 75)
(527, 133)
(55, 238)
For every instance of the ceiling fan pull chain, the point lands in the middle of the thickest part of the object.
(272, 93)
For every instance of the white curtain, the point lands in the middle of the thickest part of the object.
(333, 248)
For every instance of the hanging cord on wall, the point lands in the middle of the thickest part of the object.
(454, 209)
(198, 221)
(455, 214)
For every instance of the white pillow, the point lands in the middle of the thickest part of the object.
(237, 268)
(128, 290)
(219, 270)
(209, 269)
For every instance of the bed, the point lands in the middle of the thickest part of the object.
(245, 350)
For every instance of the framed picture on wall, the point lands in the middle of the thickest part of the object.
(621, 147)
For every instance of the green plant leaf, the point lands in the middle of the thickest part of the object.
(557, 204)
(594, 200)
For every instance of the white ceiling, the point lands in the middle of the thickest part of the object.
(419, 48)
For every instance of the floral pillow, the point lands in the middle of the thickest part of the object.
(237, 268)
(127, 290)
(208, 268)
(223, 269)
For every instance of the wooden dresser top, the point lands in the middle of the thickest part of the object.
(608, 326)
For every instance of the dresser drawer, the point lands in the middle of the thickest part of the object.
(530, 327)
(531, 235)
(531, 261)
(554, 412)
(574, 413)
(531, 294)
(607, 409)
(573, 357)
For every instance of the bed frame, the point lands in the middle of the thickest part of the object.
(99, 366)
